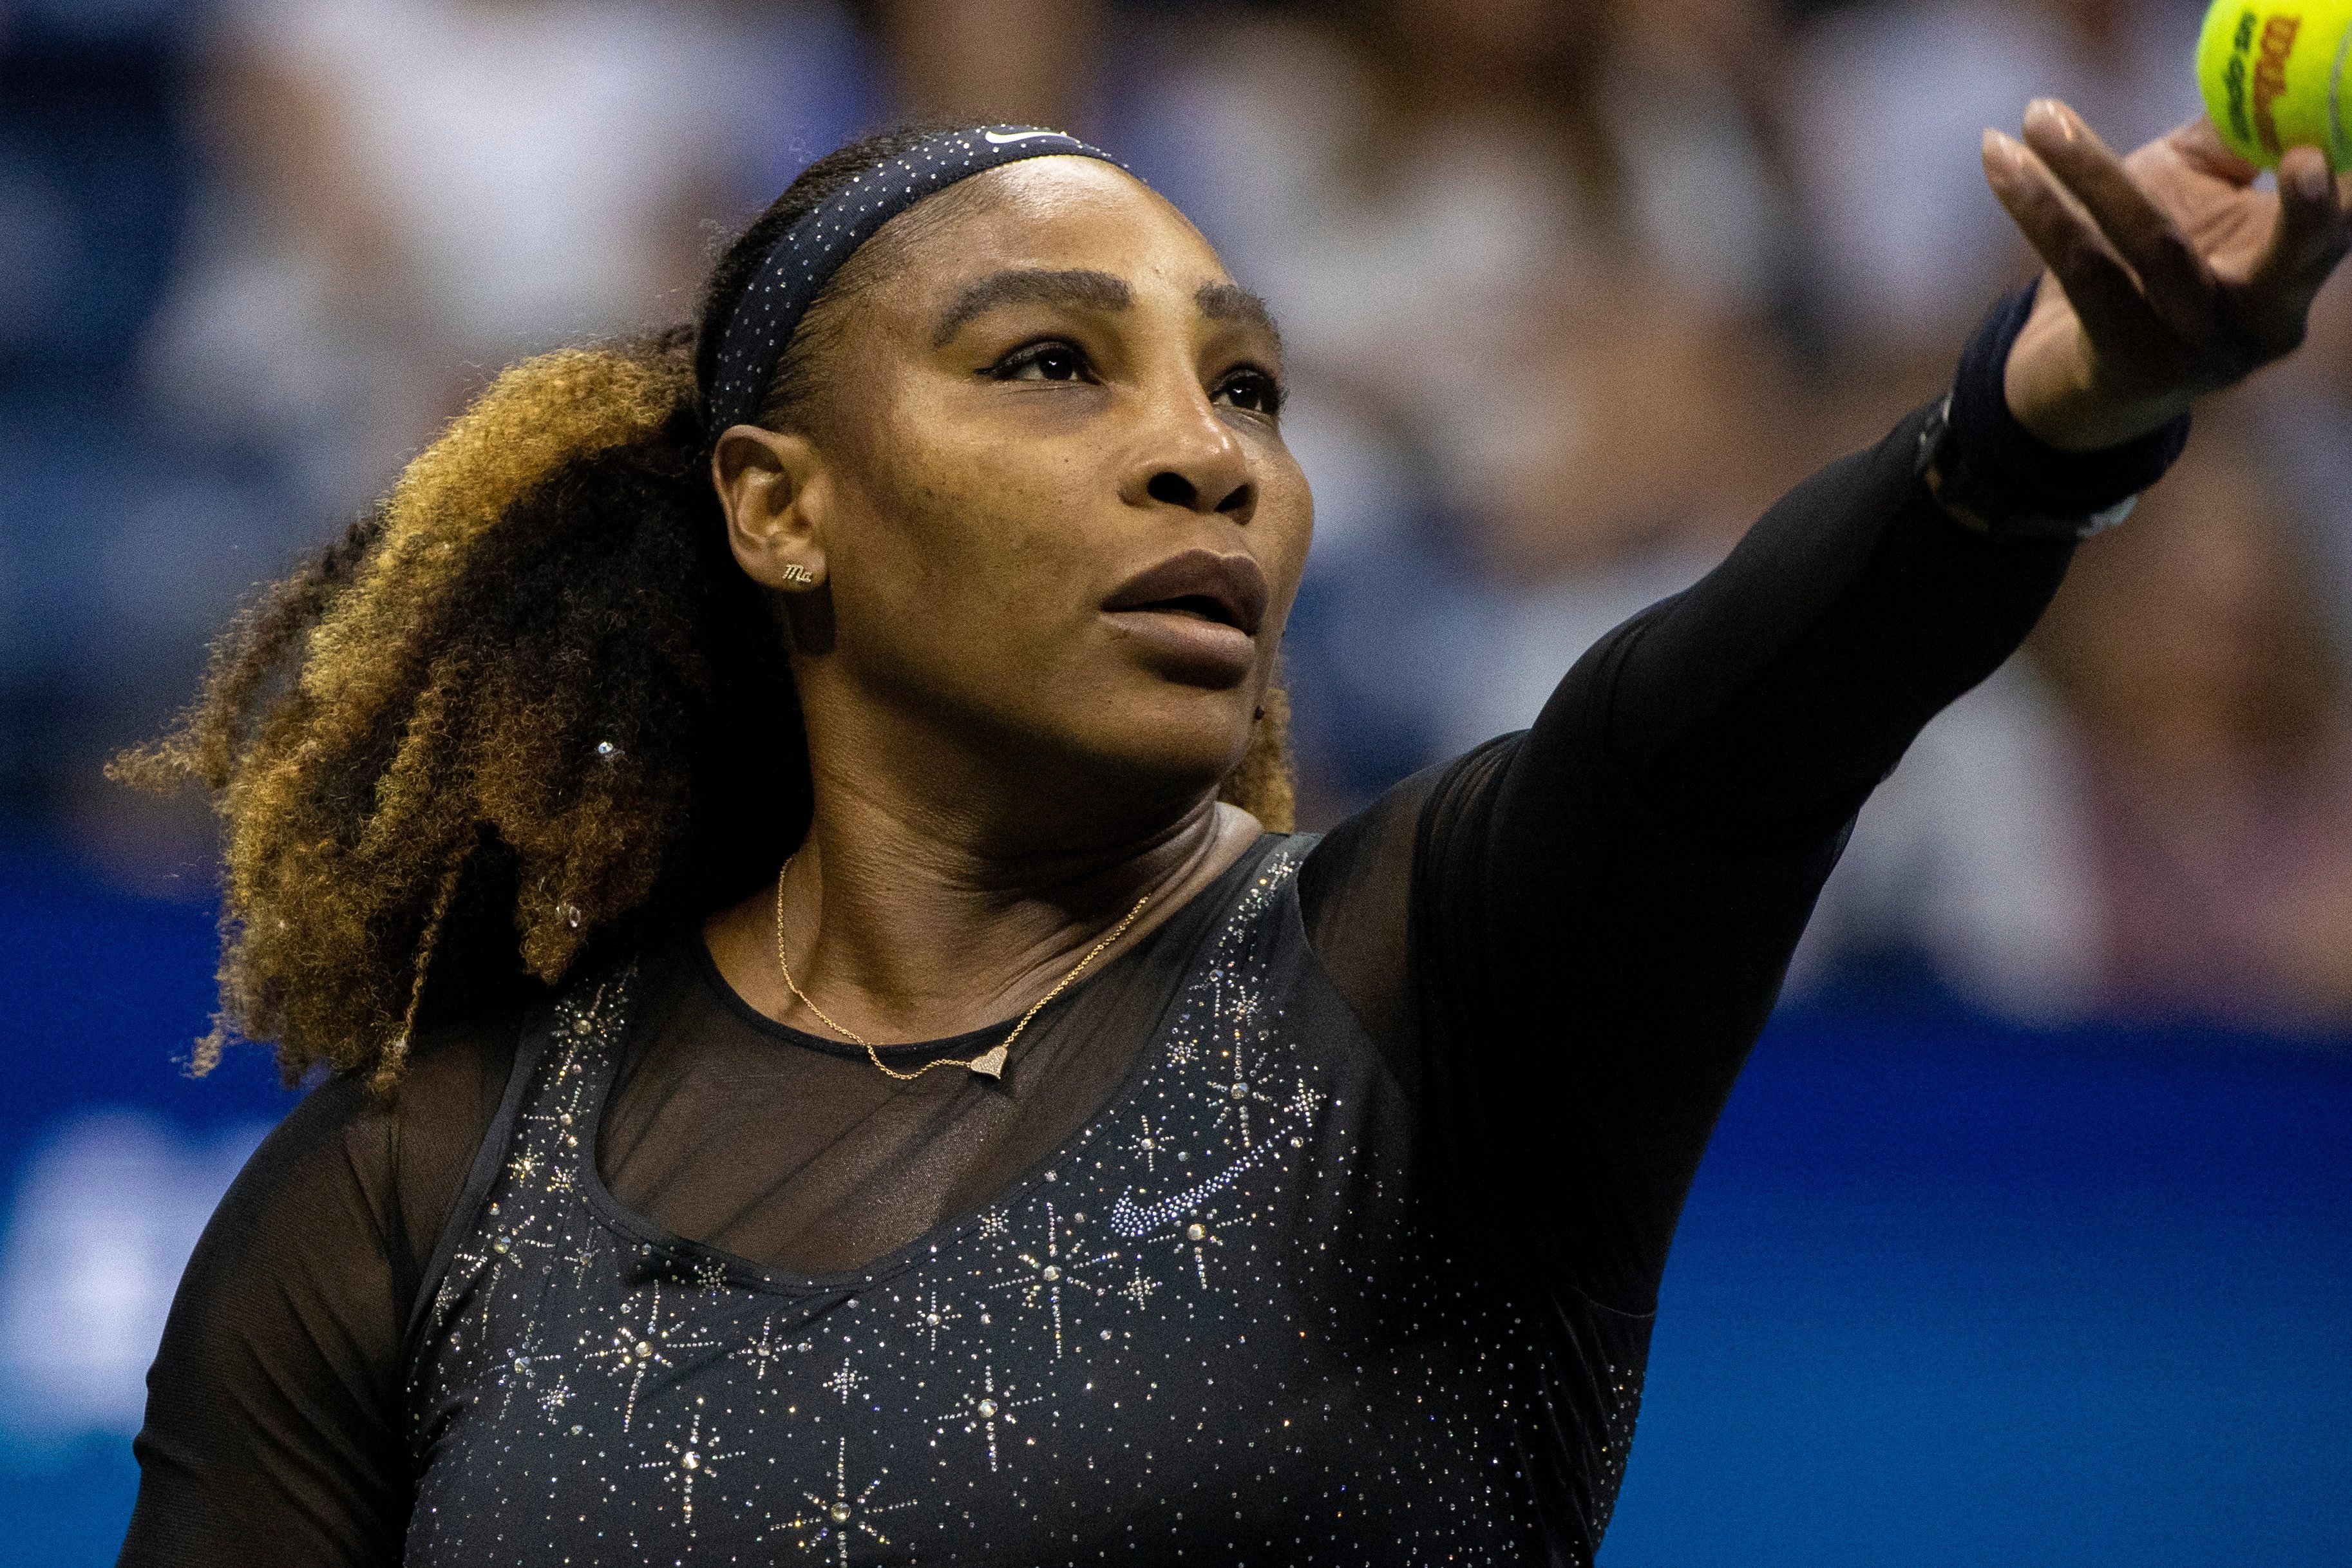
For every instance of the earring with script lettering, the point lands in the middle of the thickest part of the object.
(795, 572)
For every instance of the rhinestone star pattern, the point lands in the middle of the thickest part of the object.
(1207, 1324)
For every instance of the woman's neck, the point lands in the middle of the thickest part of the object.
(907, 927)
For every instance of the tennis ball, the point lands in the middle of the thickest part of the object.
(2273, 74)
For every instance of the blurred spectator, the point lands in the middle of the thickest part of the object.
(1887, 104)
(1019, 62)
(1670, 429)
(95, 173)
(1974, 862)
(1646, 421)
(2193, 651)
(93, 178)
(1408, 180)
(413, 193)
(2305, 409)
(2151, 815)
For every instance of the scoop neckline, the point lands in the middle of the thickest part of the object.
(749, 1273)
(972, 1040)
(712, 980)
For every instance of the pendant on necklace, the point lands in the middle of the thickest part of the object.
(988, 1063)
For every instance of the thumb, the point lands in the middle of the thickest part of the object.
(2310, 236)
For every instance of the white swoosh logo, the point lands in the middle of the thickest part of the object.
(1131, 1218)
(1003, 140)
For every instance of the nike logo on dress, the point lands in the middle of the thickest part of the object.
(1131, 1218)
(1000, 139)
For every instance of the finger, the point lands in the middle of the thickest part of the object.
(2312, 231)
(2104, 296)
(2310, 236)
(2179, 288)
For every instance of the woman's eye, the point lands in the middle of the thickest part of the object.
(1251, 390)
(1042, 362)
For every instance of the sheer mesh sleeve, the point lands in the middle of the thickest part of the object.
(1600, 909)
(275, 1428)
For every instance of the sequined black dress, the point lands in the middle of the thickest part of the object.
(1322, 1225)
(1205, 1320)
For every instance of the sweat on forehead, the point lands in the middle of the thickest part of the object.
(796, 267)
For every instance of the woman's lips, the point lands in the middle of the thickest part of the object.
(1230, 589)
(1187, 647)
(1196, 614)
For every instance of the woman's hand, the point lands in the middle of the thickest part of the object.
(2174, 275)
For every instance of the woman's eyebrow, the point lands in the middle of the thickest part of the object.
(1079, 287)
(1232, 302)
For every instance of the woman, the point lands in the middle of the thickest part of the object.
(1054, 1159)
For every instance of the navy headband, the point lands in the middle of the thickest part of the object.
(810, 252)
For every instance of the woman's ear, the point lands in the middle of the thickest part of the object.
(773, 487)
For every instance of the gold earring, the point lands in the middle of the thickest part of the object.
(795, 572)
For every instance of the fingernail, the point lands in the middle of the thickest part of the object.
(2311, 184)
(2052, 116)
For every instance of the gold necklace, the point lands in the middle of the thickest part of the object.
(988, 1063)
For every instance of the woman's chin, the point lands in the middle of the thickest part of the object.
(1169, 751)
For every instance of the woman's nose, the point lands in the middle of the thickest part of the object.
(1192, 459)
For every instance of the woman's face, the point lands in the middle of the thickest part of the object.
(1047, 499)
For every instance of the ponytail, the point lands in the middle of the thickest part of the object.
(511, 715)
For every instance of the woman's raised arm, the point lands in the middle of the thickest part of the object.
(1603, 907)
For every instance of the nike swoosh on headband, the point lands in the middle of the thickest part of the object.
(1000, 139)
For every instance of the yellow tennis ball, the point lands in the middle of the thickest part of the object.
(2273, 74)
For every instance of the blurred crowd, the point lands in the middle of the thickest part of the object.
(1571, 289)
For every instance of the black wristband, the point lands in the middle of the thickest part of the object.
(2012, 470)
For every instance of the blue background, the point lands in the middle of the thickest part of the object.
(1946, 1292)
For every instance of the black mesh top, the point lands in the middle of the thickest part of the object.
(1560, 948)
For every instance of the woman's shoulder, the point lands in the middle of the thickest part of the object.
(1360, 883)
(381, 1169)
(435, 1118)
(276, 1390)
